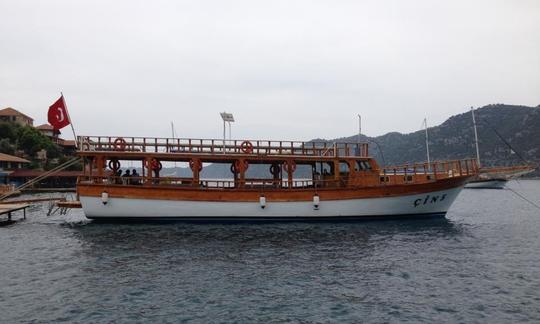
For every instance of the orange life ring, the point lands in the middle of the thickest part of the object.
(120, 144)
(246, 147)
(195, 165)
(286, 166)
(237, 165)
(154, 165)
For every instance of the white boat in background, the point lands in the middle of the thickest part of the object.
(494, 177)
(497, 177)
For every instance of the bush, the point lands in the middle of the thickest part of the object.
(6, 146)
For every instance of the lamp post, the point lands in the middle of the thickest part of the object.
(227, 118)
(359, 127)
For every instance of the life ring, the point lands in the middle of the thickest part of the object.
(114, 165)
(286, 166)
(246, 147)
(154, 165)
(195, 165)
(274, 169)
(120, 144)
(236, 166)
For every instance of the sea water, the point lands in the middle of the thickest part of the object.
(479, 264)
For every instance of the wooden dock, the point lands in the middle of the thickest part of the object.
(9, 209)
(69, 204)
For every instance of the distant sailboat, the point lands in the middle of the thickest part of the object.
(494, 177)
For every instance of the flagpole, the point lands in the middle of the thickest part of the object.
(70, 121)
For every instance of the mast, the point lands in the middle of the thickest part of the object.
(427, 141)
(475, 138)
(359, 127)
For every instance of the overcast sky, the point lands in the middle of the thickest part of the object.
(286, 69)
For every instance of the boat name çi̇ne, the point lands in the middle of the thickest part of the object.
(340, 180)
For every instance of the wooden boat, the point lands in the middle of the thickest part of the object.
(339, 181)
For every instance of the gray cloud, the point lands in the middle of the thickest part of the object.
(287, 69)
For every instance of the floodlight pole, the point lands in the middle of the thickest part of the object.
(223, 136)
(359, 127)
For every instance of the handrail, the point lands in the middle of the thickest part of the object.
(207, 183)
(430, 171)
(395, 175)
(218, 146)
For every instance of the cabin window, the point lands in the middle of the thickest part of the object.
(385, 179)
(363, 165)
(408, 178)
(343, 167)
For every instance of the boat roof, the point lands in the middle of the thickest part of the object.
(218, 149)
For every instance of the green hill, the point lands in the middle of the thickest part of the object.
(453, 139)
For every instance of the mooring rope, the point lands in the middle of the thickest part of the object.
(523, 197)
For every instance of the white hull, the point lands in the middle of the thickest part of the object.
(427, 204)
(487, 184)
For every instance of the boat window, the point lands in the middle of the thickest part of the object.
(363, 165)
(343, 167)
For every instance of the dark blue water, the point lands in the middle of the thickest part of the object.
(480, 264)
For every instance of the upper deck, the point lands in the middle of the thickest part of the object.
(118, 145)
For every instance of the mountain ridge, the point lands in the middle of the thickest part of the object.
(453, 139)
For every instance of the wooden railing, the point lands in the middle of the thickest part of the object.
(411, 173)
(208, 183)
(219, 146)
(396, 175)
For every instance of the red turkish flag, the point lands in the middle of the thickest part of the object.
(58, 116)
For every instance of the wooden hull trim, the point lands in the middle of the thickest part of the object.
(238, 195)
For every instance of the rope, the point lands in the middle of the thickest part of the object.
(524, 198)
(505, 142)
(47, 174)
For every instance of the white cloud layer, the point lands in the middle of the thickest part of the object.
(286, 69)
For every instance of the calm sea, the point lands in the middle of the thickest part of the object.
(481, 264)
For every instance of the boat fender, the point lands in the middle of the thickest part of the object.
(195, 165)
(274, 170)
(104, 197)
(237, 165)
(316, 202)
(262, 201)
(114, 165)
